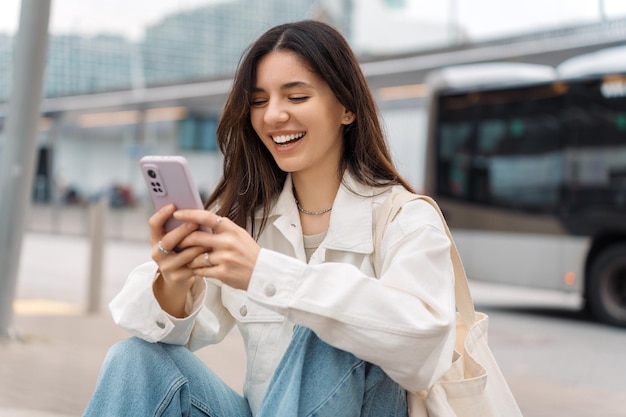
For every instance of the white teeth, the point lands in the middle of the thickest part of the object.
(287, 138)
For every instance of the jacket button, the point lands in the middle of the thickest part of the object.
(270, 290)
(160, 324)
(243, 310)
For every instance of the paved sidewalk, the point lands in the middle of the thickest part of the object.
(50, 370)
(53, 369)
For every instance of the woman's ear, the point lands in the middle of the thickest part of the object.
(348, 117)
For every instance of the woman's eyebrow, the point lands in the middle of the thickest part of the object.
(287, 86)
(295, 84)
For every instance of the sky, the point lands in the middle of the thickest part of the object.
(93, 16)
(479, 18)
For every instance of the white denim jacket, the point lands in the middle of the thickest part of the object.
(403, 321)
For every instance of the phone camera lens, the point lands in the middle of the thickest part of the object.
(151, 173)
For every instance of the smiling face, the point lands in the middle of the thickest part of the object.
(297, 116)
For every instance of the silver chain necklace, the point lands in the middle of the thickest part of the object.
(313, 213)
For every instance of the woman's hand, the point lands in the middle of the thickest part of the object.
(176, 277)
(229, 254)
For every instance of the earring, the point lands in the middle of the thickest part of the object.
(347, 118)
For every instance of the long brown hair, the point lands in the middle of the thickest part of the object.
(251, 177)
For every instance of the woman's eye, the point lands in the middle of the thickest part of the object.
(298, 99)
(258, 102)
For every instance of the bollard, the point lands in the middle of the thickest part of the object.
(96, 254)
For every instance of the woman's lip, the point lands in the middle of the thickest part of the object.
(284, 138)
(287, 146)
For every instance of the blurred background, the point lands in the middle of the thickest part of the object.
(124, 80)
(544, 245)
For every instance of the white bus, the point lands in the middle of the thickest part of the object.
(528, 163)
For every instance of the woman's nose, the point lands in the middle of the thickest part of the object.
(275, 113)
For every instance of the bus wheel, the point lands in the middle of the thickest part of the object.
(606, 286)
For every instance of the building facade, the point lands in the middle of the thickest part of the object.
(82, 157)
(197, 44)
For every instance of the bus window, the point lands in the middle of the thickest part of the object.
(522, 169)
(453, 160)
(504, 150)
(597, 157)
(492, 133)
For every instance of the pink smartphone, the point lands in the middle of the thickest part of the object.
(169, 180)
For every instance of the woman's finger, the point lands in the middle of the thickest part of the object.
(231, 260)
(181, 259)
(200, 238)
(157, 222)
(172, 241)
(175, 267)
(203, 260)
(211, 220)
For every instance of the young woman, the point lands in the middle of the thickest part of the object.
(306, 170)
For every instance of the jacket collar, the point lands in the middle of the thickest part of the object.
(350, 226)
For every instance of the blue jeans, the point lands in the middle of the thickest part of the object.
(313, 379)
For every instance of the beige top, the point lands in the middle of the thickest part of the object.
(311, 243)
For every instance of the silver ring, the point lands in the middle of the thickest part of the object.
(206, 259)
(162, 249)
(217, 222)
